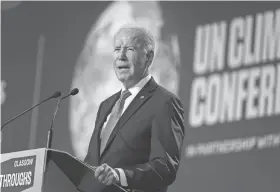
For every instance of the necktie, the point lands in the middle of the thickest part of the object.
(114, 117)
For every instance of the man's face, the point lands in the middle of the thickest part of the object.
(129, 58)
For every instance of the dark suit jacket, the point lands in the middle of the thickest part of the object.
(145, 143)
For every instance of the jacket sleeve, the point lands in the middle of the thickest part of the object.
(167, 133)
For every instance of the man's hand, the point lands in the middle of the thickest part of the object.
(106, 175)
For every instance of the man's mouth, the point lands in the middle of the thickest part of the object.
(123, 67)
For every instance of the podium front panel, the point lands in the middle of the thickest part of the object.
(22, 171)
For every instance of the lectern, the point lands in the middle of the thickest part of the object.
(42, 170)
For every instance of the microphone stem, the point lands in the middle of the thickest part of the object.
(50, 132)
(49, 141)
(24, 112)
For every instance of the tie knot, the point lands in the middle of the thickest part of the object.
(125, 94)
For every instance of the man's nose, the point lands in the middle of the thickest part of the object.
(122, 54)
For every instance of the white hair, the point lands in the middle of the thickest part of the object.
(143, 33)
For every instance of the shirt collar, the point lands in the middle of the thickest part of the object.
(136, 88)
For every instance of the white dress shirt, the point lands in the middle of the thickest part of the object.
(134, 91)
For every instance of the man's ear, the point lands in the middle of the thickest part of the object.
(149, 57)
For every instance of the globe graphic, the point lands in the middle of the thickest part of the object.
(94, 73)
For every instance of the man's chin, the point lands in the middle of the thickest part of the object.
(123, 78)
(126, 81)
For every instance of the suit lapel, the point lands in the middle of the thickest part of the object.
(136, 103)
(105, 111)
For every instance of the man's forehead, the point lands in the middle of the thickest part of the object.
(127, 37)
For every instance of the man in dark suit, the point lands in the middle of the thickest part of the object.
(139, 131)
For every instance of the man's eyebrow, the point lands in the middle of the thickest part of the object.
(130, 46)
(125, 46)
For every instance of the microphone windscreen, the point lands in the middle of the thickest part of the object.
(74, 91)
(56, 94)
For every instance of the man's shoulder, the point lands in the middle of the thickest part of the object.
(165, 94)
(107, 99)
(169, 98)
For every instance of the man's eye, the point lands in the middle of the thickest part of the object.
(116, 49)
(130, 49)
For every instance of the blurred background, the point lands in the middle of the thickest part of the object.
(222, 59)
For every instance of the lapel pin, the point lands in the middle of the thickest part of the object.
(142, 97)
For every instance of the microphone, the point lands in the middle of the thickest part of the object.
(74, 91)
(54, 95)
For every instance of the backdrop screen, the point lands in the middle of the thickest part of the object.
(222, 59)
